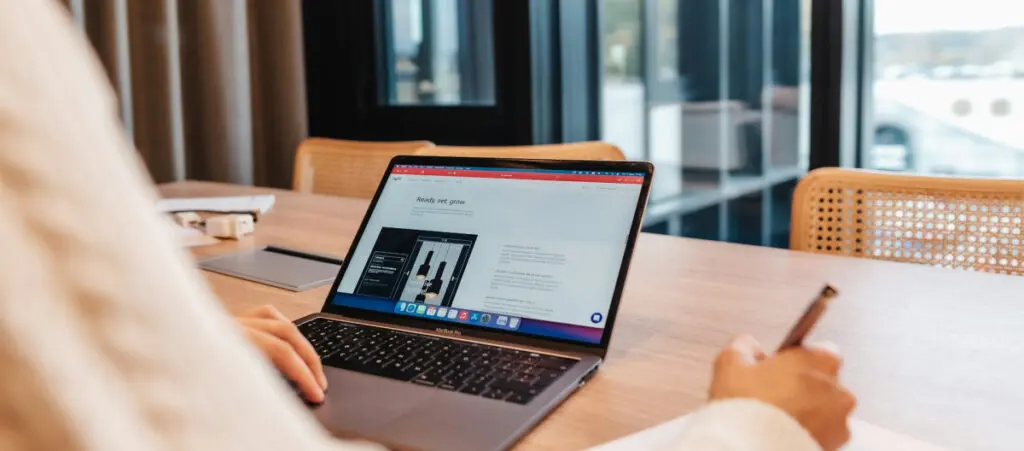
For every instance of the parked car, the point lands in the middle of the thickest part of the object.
(956, 127)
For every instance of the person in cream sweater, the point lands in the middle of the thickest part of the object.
(109, 340)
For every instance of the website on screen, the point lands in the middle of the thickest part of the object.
(517, 249)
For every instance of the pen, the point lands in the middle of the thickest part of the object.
(301, 254)
(810, 317)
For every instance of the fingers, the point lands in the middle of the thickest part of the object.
(266, 311)
(827, 387)
(838, 436)
(287, 360)
(825, 346)
(290, 334)
(284, 329)
(749, 348)
(744, 350)
(843, 437)
(824, 357)
(835, 432)
(821, 358)
(848, 400)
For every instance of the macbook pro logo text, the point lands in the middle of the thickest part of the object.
(449, 332)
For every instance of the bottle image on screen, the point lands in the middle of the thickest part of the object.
(435, 285)
(421, 273)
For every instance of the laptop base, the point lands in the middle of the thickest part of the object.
(407, 416)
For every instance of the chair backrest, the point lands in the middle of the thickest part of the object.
(593, 150)
(346, 168)
(964, 223)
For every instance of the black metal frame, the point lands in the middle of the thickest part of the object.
(545, 76)
(345, 76)
(826, 82)
(838, 83)
(865, 79)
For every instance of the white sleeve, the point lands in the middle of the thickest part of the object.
(109, 339)
(744, 425)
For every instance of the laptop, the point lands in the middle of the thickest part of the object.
(476, 296)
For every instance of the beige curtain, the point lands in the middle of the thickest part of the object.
(208, 89)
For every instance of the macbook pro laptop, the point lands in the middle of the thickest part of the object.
(476, 296)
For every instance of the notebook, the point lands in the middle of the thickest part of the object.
(865, 437)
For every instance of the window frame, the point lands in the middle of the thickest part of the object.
(546, 80)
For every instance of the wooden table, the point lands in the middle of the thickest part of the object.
(931, 353)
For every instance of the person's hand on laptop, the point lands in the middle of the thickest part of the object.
(282, 343)
(803, 382)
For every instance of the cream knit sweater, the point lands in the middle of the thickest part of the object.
(109, 339)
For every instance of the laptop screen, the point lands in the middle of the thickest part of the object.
(530, 251)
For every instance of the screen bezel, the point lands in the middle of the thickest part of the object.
(464, 330)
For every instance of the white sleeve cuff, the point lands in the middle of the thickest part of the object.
(745, 425)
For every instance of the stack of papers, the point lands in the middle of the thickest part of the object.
(231, 204)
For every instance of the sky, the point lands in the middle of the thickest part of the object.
(907, 16)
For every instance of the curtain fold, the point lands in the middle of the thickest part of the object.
(208, 90)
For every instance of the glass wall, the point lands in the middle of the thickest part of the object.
(715, 94)
(439, 52)
(622, 113)
(948, 88)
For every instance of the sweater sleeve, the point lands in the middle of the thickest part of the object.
(109, 339)
(743, 425)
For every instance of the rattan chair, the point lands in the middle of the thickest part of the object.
(963, 223)
(593, 150)
(346, 168)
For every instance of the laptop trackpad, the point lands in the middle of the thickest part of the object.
(360, 404)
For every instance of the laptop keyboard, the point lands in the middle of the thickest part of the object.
(474, 369)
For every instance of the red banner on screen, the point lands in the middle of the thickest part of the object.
(559, 176)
